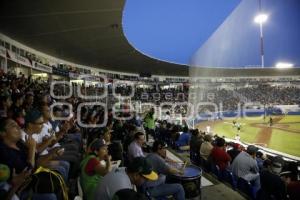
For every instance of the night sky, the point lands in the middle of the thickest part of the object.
(214, 33)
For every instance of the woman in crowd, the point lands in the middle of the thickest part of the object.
(94, 166)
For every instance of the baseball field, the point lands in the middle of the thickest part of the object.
(283, 135)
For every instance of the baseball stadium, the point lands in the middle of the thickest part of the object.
(150, 100)
(282, 135)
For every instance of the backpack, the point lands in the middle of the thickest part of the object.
(44, 181)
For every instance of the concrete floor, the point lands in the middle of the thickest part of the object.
(220, 192)
(215, 190)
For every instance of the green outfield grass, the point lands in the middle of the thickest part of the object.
(293, 122)
(247, 133)
(291, 118)
(286, 142)
(295, 126)
(286, 139)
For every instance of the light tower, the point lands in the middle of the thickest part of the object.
(260, 19)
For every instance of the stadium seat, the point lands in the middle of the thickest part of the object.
(227, 176)
(169, 141)
(261, 195)
(215, 170)
(245, 187)
(195, 158)
(205, 164)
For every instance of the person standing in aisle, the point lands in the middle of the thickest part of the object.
(149, 123)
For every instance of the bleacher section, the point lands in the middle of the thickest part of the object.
(55, 127)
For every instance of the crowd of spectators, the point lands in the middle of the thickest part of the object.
(264, 94)
(270, 177)
(30, 138)
(230, 98)
(154, 93)
(35, 140)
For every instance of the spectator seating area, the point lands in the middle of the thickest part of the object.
(42, 137)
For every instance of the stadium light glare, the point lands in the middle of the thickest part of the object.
(261, 18)
(41, 74)
(76, 81)
(283, 65)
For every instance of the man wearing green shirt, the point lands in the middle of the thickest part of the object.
(149, 123)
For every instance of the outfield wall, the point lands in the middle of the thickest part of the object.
(293, 113)
(254, 112)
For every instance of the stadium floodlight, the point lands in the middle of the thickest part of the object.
(283, 65)
(41, 75)
(261, 18)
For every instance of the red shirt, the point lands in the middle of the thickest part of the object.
(90, 166)
(220, 157)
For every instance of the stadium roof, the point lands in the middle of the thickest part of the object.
(84, 32)
(90, 33)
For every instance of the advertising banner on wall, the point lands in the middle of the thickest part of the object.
(60, 72)
(41, 67)
(18, 59)
(73, 75)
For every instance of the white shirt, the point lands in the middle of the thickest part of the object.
(45, 132)
(135, 150)
(35, 136)
(168, 118)
(208, 129)
(38, 138)
(237, 137)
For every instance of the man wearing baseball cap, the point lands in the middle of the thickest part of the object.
(159, 188)
(94, 166)
(271, 182)
(245, 166)
(137, 172)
